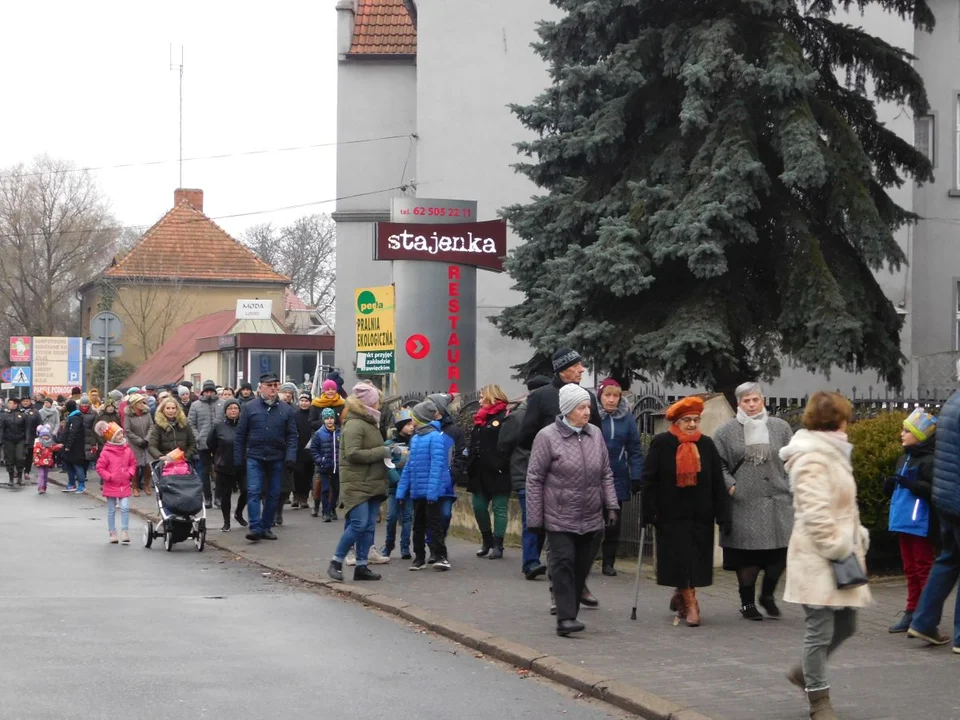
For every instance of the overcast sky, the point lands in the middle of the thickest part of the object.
(91, 82)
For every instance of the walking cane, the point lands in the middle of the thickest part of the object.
(636, 584)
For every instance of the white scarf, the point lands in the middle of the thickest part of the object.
(756, 437)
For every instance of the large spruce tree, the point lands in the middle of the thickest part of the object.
(715, 178)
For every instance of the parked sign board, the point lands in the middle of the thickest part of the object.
(57, 364)
(254, 309)
(478, 244)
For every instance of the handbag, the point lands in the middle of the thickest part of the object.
(847, 573)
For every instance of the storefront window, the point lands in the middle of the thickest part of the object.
(227, 368)
(301, 366)
(263, 361)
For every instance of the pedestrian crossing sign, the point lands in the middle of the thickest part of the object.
(20, 376)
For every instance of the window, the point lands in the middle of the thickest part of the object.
(227, 368)
(262, 362)
(923, 136)
(301, 366)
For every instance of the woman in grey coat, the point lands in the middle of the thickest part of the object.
(136, 426)
(762, 503)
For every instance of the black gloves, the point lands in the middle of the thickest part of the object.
(612, 516)
(636, 486)
(726, 527)
(291, 465)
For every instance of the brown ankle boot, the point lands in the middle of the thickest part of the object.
(692, 606)
(820, 707)
(676, 603)
(146, 490)
(136, 492)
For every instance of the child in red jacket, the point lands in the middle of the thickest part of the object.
(44, 448)
(116, 467)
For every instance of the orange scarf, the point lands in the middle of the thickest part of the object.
(688, 457)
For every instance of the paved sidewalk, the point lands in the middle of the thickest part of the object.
(728, 669)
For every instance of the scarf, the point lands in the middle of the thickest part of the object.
(374, 414)
(577, 430)
(324, 402)
(487, 412)
(756, 437)
(688, 457)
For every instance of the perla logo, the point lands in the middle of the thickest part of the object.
(367, 303)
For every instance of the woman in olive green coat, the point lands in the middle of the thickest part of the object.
(171, 431)
(363, 478)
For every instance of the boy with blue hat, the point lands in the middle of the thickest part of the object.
(325, 449)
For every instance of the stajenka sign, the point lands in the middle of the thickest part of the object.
(479, 244)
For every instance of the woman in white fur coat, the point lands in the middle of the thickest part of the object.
(826, 527)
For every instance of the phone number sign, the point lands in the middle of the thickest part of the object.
(432, 210)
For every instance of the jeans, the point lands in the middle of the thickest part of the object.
(403, 511)
(529, 540)
(826, 629)
(943, 577)
(76, 474)
(481, 511)
(124, 513)
(263, 476)
(361, 523)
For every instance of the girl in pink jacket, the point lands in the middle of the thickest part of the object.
(116, 467)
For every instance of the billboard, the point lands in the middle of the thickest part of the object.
(476, 244)
(376, 333)
(57, 364)
(19, 349)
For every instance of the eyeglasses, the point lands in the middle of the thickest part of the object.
(694, 420)
(271, 384)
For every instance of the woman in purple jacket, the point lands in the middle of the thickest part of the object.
(569, 485)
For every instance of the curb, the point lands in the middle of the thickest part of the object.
(616, 693)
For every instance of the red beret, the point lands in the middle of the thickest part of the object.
(692, 405)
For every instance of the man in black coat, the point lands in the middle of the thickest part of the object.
(13, 437)
(32, 418)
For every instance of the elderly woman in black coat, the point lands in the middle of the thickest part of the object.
(683, 496)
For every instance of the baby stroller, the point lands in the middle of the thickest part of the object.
(182, 512)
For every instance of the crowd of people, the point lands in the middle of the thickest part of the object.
(783, 503)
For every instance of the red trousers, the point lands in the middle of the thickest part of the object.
(917, 555)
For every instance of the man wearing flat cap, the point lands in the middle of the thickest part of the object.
(266, 444)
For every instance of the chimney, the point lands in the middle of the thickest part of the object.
(346, 16)
(192, 196)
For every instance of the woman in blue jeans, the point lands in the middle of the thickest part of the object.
(363, 479)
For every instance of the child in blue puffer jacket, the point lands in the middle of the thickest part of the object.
(426, 480)
(325, 449)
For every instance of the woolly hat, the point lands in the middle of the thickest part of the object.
(329, 385)
(609, 382)
(289, 387)
(108, 431)
(133, 390)
(367, 394)
(425, 412)
(245, 386)
(328, 414)
(305, 394)
(115, 395)
(537, 382)
(75, 391)
(14, 400)
(571, 397)
(692, 405)
(43, 430)
(136, 398)
(921, 424)
(442, 401)
(85, 400)
(565, 358)
(183, 390)
(208, 386)
(228, 402)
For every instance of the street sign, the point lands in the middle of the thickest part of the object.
(380, 362)
(20, 376)
(20, 349)
(6, 375)
(105, 324)
(57, 364)
(98, 350)
(7, 386)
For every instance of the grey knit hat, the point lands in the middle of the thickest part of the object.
(115, 395)
(288, 387)
(425, 412)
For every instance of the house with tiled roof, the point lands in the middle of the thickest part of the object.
(184, 267)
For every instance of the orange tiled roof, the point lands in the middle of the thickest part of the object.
(292, 302)
(383, 27)
(186, 244)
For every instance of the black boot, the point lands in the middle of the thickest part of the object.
(335, 571)
(10, 474)
(279, 516)
(496, 553)
(238, 516)
(609, 558)
(565, 627)
(487, 544)
(362, 572)
(316, 510)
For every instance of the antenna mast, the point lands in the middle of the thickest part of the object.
(180, 69)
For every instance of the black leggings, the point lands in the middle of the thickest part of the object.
(226, 484)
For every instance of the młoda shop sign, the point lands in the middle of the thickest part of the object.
(479, 244)
(376, 334)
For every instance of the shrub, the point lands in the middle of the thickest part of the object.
(876, 447)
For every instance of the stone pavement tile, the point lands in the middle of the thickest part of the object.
(728, 669)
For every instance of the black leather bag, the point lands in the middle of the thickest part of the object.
(847, 573)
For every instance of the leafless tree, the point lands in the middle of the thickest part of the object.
(305, 251)
(56, 233)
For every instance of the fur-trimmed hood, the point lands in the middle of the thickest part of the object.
(355, 410)
(161, 420)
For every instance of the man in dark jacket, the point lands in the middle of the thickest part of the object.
(202, 416)
(32, 417)
(946, 501)
(13, 437)
(266, 441)
(519, 458)
(245, 393)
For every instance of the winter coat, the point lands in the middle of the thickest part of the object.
(762, 504)
(910, 490)
(317, 407)
(202, 417)
(394, 473)
(507, 444)
(458, 461)
(165, 437)
(266, 432)
(137, 429)
(488, 469)
(543, 406)
(622, 437)
(325, 450)
(426, 475)
(91, 441)
(684, 516)
(74, 448)
(827, 521)
(304, 436)
(31, 419)
(43, 454)
(220, 443)
(946, 461)
(49, 417)
(363, 474)
(116, 467)
(13, 427)
(569, 480)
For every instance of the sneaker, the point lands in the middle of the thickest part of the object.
(770, 606)
(431, 560)
(254, 536)
(534, 571)
(328, 518)
(956, 649)
(417, 564)
(268, 535)
(240, 521)
(351, 559)
(295, 505)
(314, 512)
(81, 489)
(70, 488)
(125, 537)
(375, 558)
(750, 612)
(113, 538)
(442, 565)
(362, 572)
(903, 624)
(406, 556)
(225, 528)
(934, 638)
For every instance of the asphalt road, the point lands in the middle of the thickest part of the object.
(92, 630)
